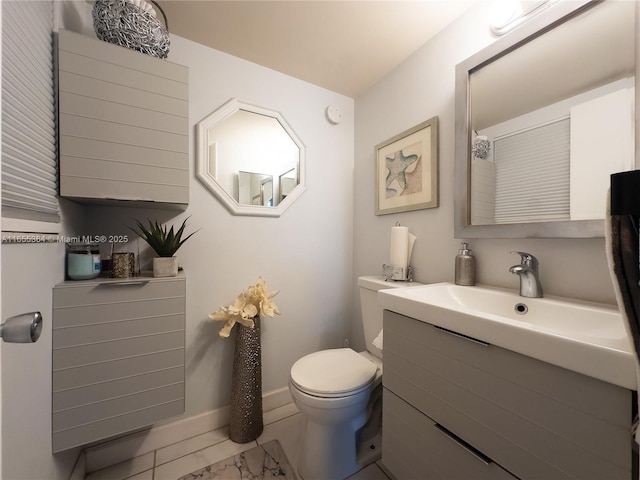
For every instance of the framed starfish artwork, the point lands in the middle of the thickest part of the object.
(407, 170)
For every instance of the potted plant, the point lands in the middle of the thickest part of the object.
(165, 244)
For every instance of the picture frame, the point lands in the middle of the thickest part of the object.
(407, 170)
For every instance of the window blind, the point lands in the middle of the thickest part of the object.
(29, 175)
(532, 174)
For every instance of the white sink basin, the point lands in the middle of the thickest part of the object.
(585, 337)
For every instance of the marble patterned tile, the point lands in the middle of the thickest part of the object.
(264, 462)
(197, 454)
(200, 459)
(288, 432)
(275, 454)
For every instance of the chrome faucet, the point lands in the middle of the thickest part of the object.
(528, 273)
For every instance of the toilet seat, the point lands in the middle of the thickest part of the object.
(333, 373)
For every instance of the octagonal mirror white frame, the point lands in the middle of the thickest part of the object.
(206, 166)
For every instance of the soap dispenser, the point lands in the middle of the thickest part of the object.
(465, 267)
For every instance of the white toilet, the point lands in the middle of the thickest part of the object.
(335, 390)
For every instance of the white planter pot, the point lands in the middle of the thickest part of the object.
(165, 266)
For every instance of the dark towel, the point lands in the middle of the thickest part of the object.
(624, 250)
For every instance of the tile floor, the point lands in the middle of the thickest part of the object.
(172, 462)
(264, 462)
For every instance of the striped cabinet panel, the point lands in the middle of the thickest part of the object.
(118, 357)
(416, 447)
(124, 124)
(534, 419)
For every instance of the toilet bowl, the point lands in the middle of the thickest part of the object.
(338, 392)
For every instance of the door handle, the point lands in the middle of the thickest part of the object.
(25, 328)
(123, 284)
(460, 335)
(469, 448)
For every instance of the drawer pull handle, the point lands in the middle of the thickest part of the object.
(124, 284)
(464, 337)
(469, 448)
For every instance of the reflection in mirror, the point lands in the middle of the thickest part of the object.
(255, 189)
(549, 117)
(250, 158)
(288, 182)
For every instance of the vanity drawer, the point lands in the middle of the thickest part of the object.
(416, 447)
(535, 419)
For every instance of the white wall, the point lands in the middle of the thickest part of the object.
(307, 254)
(420, 88)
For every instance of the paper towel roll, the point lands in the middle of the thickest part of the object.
(399, 255)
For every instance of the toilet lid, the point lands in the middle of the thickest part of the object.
(340, 370)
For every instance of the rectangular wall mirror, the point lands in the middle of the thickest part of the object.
(543, 117)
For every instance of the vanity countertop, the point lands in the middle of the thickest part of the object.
(585, 337)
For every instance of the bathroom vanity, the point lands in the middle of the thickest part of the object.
(118, 356)
(458, 406)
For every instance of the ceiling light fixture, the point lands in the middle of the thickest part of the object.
(505, 15)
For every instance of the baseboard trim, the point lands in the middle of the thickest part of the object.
(125, 448)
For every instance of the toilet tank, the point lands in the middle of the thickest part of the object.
(371, 312)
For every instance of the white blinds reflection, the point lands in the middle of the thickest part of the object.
(532, 174)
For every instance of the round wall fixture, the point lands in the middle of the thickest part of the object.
(334, 114)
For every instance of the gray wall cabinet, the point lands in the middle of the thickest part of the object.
(458, 408)
(118, 356)
(123, 124)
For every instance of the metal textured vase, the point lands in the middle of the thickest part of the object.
(245, 424)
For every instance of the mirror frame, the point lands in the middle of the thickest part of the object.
(556, 15)
(203, 162)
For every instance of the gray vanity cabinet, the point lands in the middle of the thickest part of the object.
(457, 408)
(123, 124)
(118, 356)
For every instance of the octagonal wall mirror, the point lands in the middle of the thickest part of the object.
(250, 158)
(544, 115)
